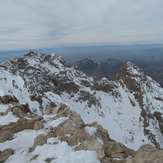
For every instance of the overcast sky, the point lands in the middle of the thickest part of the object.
(34, 24)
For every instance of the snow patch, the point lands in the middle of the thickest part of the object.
(1, 92)
(55, 123)
(90, 130)
(3, 108)
(63, 153)
(20, 144)
(100, 140)
(4, 120)
(53, 140)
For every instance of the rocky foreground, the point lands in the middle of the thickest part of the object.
(60, 135)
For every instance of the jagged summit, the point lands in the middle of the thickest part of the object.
(41, 73)
(129, 107)
(133, 77)
(130, 70)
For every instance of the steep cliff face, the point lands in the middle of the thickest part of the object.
(149, 96)
(130, 107)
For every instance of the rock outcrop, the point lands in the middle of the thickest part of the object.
(63, 125)
(8, 99)
(133, 78)
(145, 154)
(4, 155)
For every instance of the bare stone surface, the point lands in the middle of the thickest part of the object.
(38, 125)
(92, 145)
(37, 118)
(146, 154)
(5, 135)
(4, 155)
(39, 140)
(19, 110)
(49, 159)
(8, 99)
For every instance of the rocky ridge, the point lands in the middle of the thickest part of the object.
(34, 138)
(129, 107)
(140, 85)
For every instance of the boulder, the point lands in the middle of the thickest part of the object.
(38, 125)
(146, 154)
(8, 99)
(5, 135)
(49, 159)
(37, 118)
(55, 110)
(4, 155)
(114, 150)
(60, 106)
(39, 140)
(20, 110)
(49, 111)
(92, 145)
(7, 131)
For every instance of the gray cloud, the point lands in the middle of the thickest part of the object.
(40, 23)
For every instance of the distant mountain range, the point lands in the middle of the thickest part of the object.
(111, 66)
(149, 57)
(146, 53)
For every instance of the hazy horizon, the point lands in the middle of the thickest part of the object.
(151, 53)
(148, 57)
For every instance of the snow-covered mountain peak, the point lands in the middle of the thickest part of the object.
(132, 68)
(131, 71)
(50, 64)
(130, 107)
(39, 74)
(134, 79)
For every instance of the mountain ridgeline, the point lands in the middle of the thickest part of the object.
(110, 67)
(129, 107)
(107, 69)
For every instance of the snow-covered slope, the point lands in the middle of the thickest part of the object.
(130, 107)
(25, 137)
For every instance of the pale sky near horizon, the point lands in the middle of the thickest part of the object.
(32, 24)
